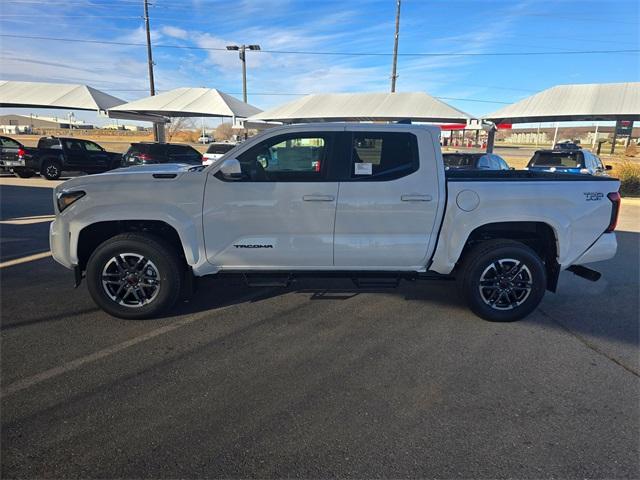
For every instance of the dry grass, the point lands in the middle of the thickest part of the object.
(629, 174)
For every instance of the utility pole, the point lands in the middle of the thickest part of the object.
(152, 89)
(394, 75)
(242, 49)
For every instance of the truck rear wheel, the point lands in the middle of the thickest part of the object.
(502, 280)
(51, 169)
(134, 276)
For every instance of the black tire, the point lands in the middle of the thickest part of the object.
(51, 169)
(23, 173)
(504, 295)
(161, 258)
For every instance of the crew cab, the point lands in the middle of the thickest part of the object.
(367, 201)
(54, 155)
(567, 160)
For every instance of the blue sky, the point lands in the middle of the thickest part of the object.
(460, 26)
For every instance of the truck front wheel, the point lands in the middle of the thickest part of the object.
(502, 280)
(134, 276)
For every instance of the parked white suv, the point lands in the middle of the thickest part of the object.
(368, 201)
(216, 151)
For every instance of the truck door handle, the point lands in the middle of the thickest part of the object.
(416, 198)
(318, 198)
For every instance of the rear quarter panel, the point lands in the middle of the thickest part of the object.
(577, 211)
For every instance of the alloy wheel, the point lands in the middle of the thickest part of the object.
(505, 284)
(131, 280)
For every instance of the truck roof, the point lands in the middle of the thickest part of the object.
(356, 126)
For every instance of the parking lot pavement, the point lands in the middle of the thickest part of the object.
(316, 380)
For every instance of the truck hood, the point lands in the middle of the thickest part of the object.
(121, 178)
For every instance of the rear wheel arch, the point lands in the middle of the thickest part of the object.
(539, 236)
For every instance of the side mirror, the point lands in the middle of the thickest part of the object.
(230, 169)
(608, 167)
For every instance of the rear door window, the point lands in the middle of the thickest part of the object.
(92, 147)
(73, 146)
(383, 156)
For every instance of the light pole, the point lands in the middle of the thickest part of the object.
(394, 74)
(241, 50)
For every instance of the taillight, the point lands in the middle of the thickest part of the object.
(204, 159)
(21, 153)
(316, 166)
(615, 210)
(144, 157)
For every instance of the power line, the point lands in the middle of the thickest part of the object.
(344, 53)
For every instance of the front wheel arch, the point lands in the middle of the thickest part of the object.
(91, 236)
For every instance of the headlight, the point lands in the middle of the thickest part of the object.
(67, 198)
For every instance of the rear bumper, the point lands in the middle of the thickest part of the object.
(13, 163)
(603, 249)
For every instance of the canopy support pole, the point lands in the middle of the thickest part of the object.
(159, 133)
(555, 135)
(491, 139)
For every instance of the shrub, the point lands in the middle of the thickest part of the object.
(629, 174)
(632, 150)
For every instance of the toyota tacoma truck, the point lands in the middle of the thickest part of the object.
(366, 201)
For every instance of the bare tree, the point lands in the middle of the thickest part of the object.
(179, 124)
(224, 131)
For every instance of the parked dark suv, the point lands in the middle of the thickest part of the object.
(148, 152)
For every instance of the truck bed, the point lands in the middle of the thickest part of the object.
(519, 175)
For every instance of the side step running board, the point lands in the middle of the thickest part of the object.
(372, 282)
(585, 272)
(257, 280)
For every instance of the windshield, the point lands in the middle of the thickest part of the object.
(556, 159)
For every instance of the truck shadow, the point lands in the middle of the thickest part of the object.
(607, 309)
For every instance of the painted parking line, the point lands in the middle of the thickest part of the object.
(28, 220)
(106, 352)
(29, 258)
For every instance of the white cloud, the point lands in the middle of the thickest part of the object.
(174, 32)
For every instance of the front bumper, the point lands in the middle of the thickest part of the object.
(603, 249)
(60, 243)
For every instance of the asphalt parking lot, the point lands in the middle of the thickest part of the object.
(316, 380)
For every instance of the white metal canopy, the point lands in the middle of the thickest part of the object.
(54, 95)
(588, 102)
(68, 96)
(190, 102)
(417, 106)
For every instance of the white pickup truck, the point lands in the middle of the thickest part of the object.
(367, 201)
